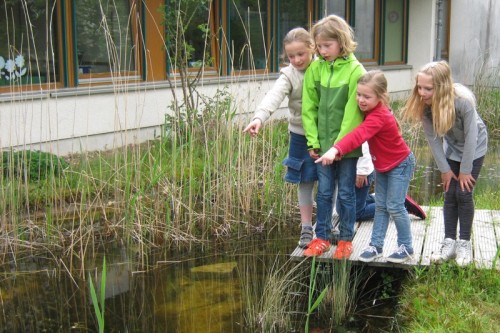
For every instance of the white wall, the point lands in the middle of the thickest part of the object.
(422, 33)
(75, 120)
(475, 39)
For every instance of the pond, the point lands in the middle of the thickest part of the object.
(183, 292)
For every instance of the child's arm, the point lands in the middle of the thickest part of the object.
(328, 157)
(310, 102)
(254, 127)
(269, 104)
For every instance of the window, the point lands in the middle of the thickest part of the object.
(189, 30)
(365, 24)
(248, 35)
(291, 14)
(394, 32)
(106, 39)
(380, 28)
(28, 44)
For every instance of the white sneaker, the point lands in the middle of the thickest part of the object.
(464, 252)
(447, 251)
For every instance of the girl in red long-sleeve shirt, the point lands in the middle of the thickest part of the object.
(394, 165)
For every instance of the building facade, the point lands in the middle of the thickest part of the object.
(80, 75)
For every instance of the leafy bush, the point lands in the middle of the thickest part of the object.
(31, 165)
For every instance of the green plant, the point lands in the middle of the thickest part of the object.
(32, 165)
(449, 298)
(98, 303)
(311, 307)
(343, 284)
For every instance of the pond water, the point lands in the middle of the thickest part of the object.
(208, 291)
(169, 292)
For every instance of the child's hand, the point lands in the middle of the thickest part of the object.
(446, 179)
(361, 181)
(328, 157)
(253, 127)
(314, 153)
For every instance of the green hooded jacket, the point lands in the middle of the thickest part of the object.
(329, 107)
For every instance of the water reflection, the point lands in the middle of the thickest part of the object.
(426, 186)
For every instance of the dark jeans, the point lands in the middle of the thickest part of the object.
(458, 204)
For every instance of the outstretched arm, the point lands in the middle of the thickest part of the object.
(253, 127)
(328, 157)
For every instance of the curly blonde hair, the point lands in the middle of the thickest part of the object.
(336, 28)
(443, 98)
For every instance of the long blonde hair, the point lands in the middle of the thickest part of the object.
(336, 28)
(443, 98)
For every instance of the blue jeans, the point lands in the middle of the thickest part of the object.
(341, 174)
(365, 202)
(391, 188)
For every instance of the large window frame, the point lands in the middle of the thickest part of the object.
(149, 41)
(83, 72)
(36, 68)
(350, 10)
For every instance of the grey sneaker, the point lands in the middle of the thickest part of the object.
(370, 253)
(446, 252)
(306, 236)
(464, 252)
(401, 255)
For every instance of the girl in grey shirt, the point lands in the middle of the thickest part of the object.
(458, 139)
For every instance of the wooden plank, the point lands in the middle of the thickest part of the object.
(495, 218)
(361, 238)
(418, 231)
(427, 237)
(483, 239)
(434, 235)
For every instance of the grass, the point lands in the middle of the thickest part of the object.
(448, 298)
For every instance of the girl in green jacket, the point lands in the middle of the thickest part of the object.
(329, 112)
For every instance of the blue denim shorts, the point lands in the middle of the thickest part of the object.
(300, 166)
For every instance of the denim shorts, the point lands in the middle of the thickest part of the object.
(300, 166)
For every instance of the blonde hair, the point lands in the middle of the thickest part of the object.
(443, 98)
(336, 28)
(375, 79)
(298, 35)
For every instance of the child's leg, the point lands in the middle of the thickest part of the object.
(450, 207)
(465, 200)
(365, 206)
(381, 219)
(324, 199)
(398, 182)
(306, 208)
(346, 178)
(305, 193)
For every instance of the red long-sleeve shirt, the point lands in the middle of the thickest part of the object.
(380, 129)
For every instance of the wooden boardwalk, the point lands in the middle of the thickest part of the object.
(427, 235)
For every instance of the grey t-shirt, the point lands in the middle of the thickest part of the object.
(466, 141)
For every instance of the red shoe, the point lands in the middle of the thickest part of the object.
(343, 251)
(317, 247)
(413, 208)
